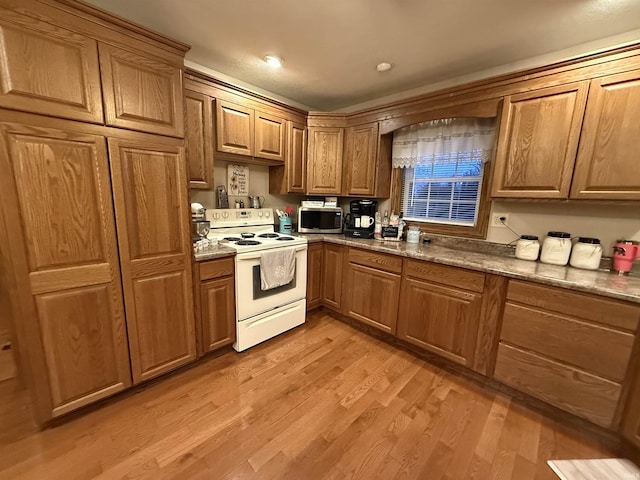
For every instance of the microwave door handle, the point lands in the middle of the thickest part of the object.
(255, 256)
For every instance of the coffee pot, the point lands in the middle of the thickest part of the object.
(625, 252)
(256, 201)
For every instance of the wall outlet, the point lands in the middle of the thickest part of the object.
(497, 220)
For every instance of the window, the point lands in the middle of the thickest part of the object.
(441, 165)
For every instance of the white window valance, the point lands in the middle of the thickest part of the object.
(447, 141)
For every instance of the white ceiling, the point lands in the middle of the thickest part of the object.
(331, 47)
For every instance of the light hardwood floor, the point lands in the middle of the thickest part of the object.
(322, 401)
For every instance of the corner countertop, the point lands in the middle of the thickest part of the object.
(590, 281)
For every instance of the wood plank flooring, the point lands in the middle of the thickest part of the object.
(324, 401)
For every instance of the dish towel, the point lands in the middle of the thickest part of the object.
(277, 267)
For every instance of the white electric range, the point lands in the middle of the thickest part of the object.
(260, 314)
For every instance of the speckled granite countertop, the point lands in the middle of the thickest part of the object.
(596, 282)
(214, 252)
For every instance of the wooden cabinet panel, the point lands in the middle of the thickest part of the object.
(314, 275)
(63, 195)
(141, 93)
(223, 267)
(379, 261)
(451, 276)
(296, 163)
(631, 419)
(607, 166)
(440, 319)
(372, 297)
(569, 340)
(218, 322)
(152, 214)
(360, 160)
(573, 390)
(45, 68)
(234, 128)
(538, 140)
(269, 136)
(199, 139)
(324, 166)
(333, 265)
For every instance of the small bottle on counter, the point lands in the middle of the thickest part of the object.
(377, 229)
(586, 253)
(556, 248)
(527, 247)
(385, 219)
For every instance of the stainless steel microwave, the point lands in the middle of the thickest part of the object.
(319, 220)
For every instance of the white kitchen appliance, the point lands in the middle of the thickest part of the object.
(260, 314)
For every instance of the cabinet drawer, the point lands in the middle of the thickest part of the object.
(216, 268)
(380, 261)
(452, 276)
(591, 347)
(589, 307)
(583, 394)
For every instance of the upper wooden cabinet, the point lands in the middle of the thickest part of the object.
(361, 161)
(244, 131)
(199, 139)
(537, 142)
(324, 161)
(141, 93)
(607, 166)
(48, 69)
(292, 176)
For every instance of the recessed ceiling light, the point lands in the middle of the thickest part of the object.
(273, 61)
(383, 67)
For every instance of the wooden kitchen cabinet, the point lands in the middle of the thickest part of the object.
(439, 309)
(46, 68)
(607, 166)
(314, 275)
(199, 139)
(292, 176)
(569, 349)
(631, 419)
(333, 265)
(372, 289)
(57, 202)
(367, 162)
(538, 141)
(216, 305)
(324, 164)
(270, 135)
(141, 92)
(152, 215)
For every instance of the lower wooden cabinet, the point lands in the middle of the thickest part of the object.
(216, 304)
(631, 420)
(333, 265)
(569, 349)
(440, 318)
(314, 275)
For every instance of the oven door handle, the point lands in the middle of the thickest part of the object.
(256, 255)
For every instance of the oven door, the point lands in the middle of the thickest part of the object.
(252, 300)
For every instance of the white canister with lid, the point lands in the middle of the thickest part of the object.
(413, 234)
(586, 253)
(527, 247)
(556, 248)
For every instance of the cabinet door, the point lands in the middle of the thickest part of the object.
(58, 183)
(141, 93)
(218, 322)
(537, 144)
(631, 418)
(269, 136)
(48, 69)
(440, 319)
(296, 163)
(360, 160)
(234, 128)
(607, 164)
(199, 139)
(314, 276)
(152, 214)
(372, 297)
(332, 276)
(324, 168)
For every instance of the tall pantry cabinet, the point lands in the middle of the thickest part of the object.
(94, 217)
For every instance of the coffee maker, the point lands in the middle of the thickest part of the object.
(360, 221)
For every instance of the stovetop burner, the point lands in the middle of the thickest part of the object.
(268, 235)
(284, 239)
(248, 242)
(232, 239)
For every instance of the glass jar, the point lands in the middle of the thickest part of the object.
(586, 253)
(528, 247)
(413, 235)
(556, 248)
